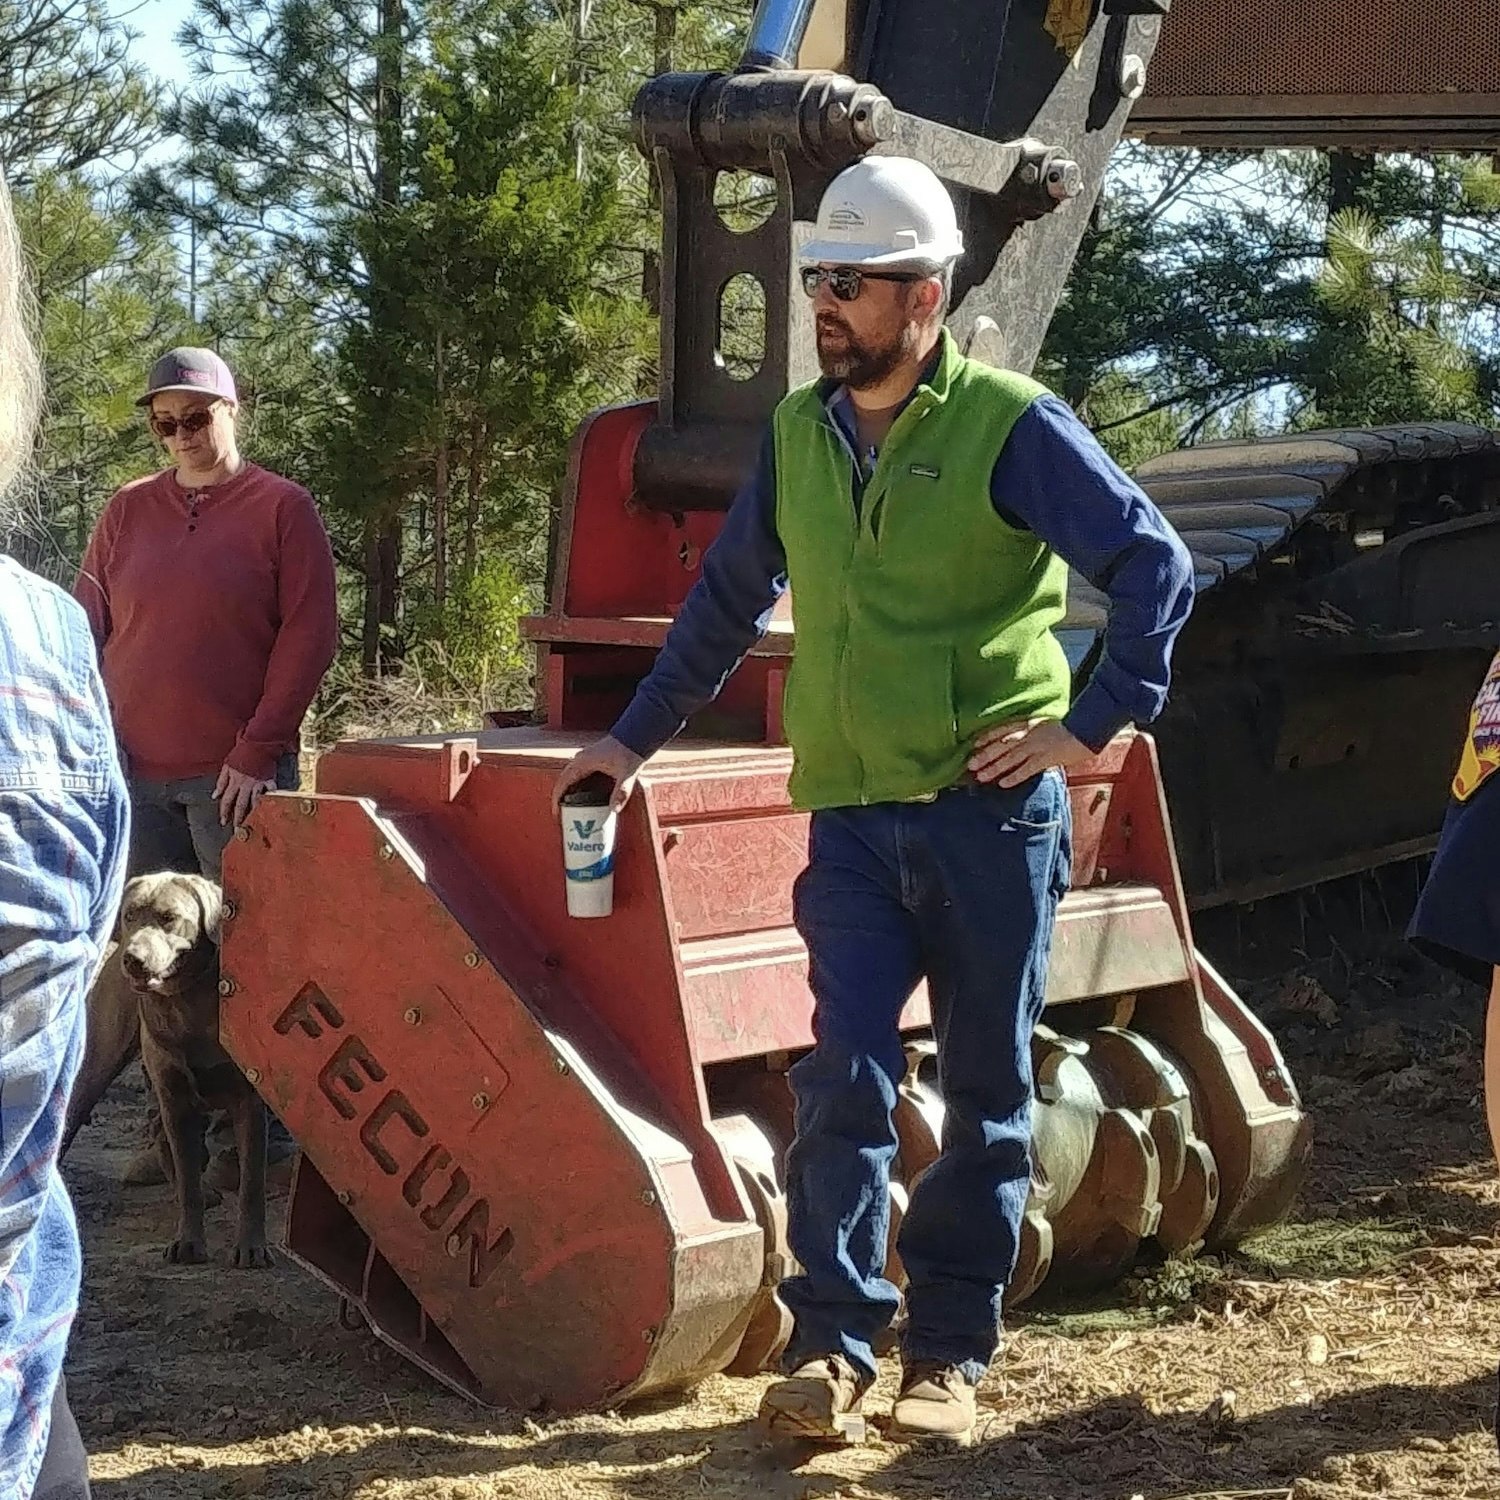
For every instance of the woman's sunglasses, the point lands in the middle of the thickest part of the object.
(846, 282)
(195, 421)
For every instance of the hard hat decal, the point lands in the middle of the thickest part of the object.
(1481, 757)
(846, 216)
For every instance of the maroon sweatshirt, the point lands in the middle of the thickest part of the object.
(216, 617)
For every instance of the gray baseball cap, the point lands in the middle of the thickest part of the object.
(190, 369)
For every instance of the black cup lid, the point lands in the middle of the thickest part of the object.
(592, 791)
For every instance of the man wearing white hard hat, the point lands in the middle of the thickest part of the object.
(924, 509)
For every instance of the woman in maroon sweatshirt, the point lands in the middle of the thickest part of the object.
(210, 590)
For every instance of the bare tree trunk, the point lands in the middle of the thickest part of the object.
(388, 103)
(1079, 372)
(665, 43)
(1350, 179)
(369, 636)
(382, 604)
(582, 16)
(478, 475)
(80, 516)
(440, 486)
(380, 626)
(389, 554)
(666, 38)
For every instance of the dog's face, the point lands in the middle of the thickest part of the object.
(169, 930)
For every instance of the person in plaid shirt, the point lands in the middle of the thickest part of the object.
(64, 827)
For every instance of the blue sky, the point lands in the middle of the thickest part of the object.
(157, 21)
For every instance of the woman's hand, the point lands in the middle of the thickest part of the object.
(237, 794)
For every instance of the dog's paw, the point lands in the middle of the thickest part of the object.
(186, 1253)
(253, 1256)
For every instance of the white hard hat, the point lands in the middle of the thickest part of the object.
(885, 211)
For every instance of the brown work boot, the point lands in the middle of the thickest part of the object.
(936, 1402)
(819, 1401)
(147, 1169)
(147, 1166)
(223, 1171)
(144, 1169)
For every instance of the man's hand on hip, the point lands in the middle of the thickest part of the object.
(606, 757)
(237, 794)
(1009, 754)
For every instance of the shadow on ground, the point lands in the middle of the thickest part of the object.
(1117, 1447)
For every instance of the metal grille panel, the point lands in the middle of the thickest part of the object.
(1440, 49)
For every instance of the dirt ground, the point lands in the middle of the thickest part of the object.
(1350, 1353)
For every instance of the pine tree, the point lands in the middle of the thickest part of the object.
(1231, 293)
(107, 294)
(466, 398)
(70, 94)
(291, 137)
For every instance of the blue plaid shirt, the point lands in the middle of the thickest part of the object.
(63, 831)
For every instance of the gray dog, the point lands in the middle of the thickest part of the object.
(157, 995)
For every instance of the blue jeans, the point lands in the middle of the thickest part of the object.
(963, 890)
(174, 825)
(64, 1474)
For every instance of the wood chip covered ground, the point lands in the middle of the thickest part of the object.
(1350, 1353)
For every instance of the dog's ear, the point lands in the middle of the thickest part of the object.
(210, 901)
(130, 894)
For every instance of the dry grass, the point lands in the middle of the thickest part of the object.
(429, 695)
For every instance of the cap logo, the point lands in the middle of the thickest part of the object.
(194, 377)
(846, 216)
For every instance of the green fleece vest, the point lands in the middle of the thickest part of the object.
(921, 616)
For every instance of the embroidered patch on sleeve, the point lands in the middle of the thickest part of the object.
(1481, 757)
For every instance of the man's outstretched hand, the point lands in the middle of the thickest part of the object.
(606, 757)
(1009, 754)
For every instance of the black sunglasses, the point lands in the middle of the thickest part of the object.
(195, 421)
(846, 282)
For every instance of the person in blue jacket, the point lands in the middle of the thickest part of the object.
(1457, 920)
(64, 830)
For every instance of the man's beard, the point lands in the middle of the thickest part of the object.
(856, 363)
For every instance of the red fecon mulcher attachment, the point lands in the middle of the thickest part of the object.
(541, 1154)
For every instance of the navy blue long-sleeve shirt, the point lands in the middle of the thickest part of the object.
(1052, 478)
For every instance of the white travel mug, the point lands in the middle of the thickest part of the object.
(588, 826)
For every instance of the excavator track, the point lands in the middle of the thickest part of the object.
(1346, 609)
